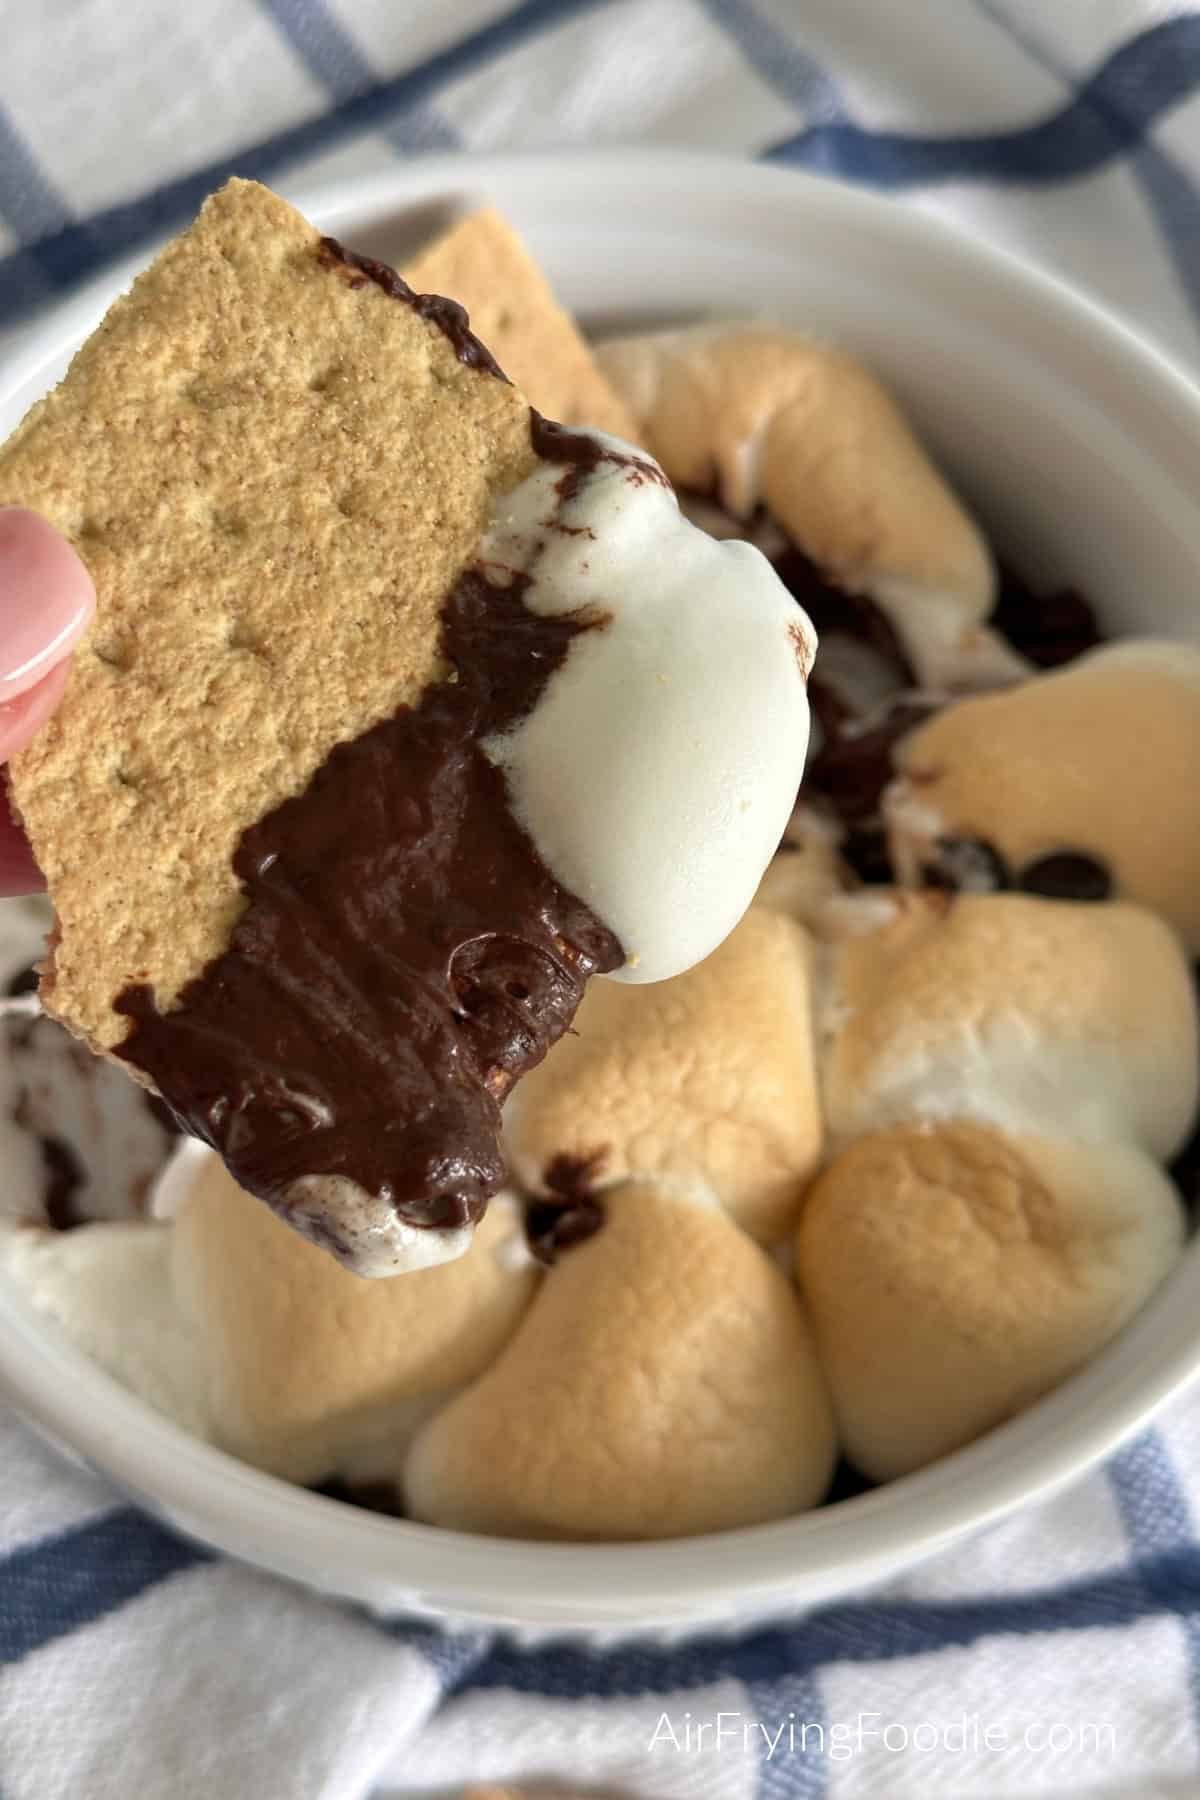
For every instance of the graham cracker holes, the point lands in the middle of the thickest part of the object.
(113, 654)
(240, 637)
(323, 379)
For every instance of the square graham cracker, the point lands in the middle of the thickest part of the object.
(276, 472)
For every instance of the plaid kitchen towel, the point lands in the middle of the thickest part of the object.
(1060, 1652)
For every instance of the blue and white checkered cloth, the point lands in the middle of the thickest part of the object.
(1059, 1653)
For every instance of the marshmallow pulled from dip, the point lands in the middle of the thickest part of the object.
(658, 769)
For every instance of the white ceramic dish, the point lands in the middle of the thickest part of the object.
(1079, 445)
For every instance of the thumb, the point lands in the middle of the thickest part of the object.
(46, 602)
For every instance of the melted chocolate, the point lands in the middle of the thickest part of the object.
(829, 708)
(1049, 629)
(161, 1113)
(865, 850)
(403, 956)
(63, 1173)
(837, 609)
(553, 1226)
(847, 1483)
(371, 1496)
(572, 1212)
(582, 453)
(450, 318)
(64, 1178)
(1067, 875)
(854, 764)
(1185, 1169)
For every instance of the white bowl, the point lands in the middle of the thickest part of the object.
(1079, 446)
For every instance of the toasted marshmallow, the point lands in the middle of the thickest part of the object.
(309, 1370)
(658, 768)
(956, 1272)
(807, 873)
(1079, 1021)
(1099, 758)
(708, 1076)
(250, 1337)
(775, 420)
(661, 1384)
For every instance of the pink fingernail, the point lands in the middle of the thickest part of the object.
(46, 599)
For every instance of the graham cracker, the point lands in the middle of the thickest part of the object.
(482, 263)
(276, 472)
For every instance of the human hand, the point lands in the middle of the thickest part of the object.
(46, 601)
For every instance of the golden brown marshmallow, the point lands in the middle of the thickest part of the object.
(708, 1076)
(662, 1384)
(1099, 757)
(482, 263)
(767, 417)
(807, 873)
(308, 1367)
(1079, 1020)
(954, 1273)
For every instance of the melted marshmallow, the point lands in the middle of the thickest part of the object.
(659, 768)
(108, 1289)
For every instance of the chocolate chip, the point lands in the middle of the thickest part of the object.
(1067, 875)
(967, 865)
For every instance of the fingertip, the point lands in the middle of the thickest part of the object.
(23, 716)
(47, 598)
(19, 873)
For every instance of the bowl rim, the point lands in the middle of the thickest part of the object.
(261, 1518)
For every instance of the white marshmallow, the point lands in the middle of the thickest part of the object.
(373, 1240)
(657, 772)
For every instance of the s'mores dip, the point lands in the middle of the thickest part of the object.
(432, 823)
